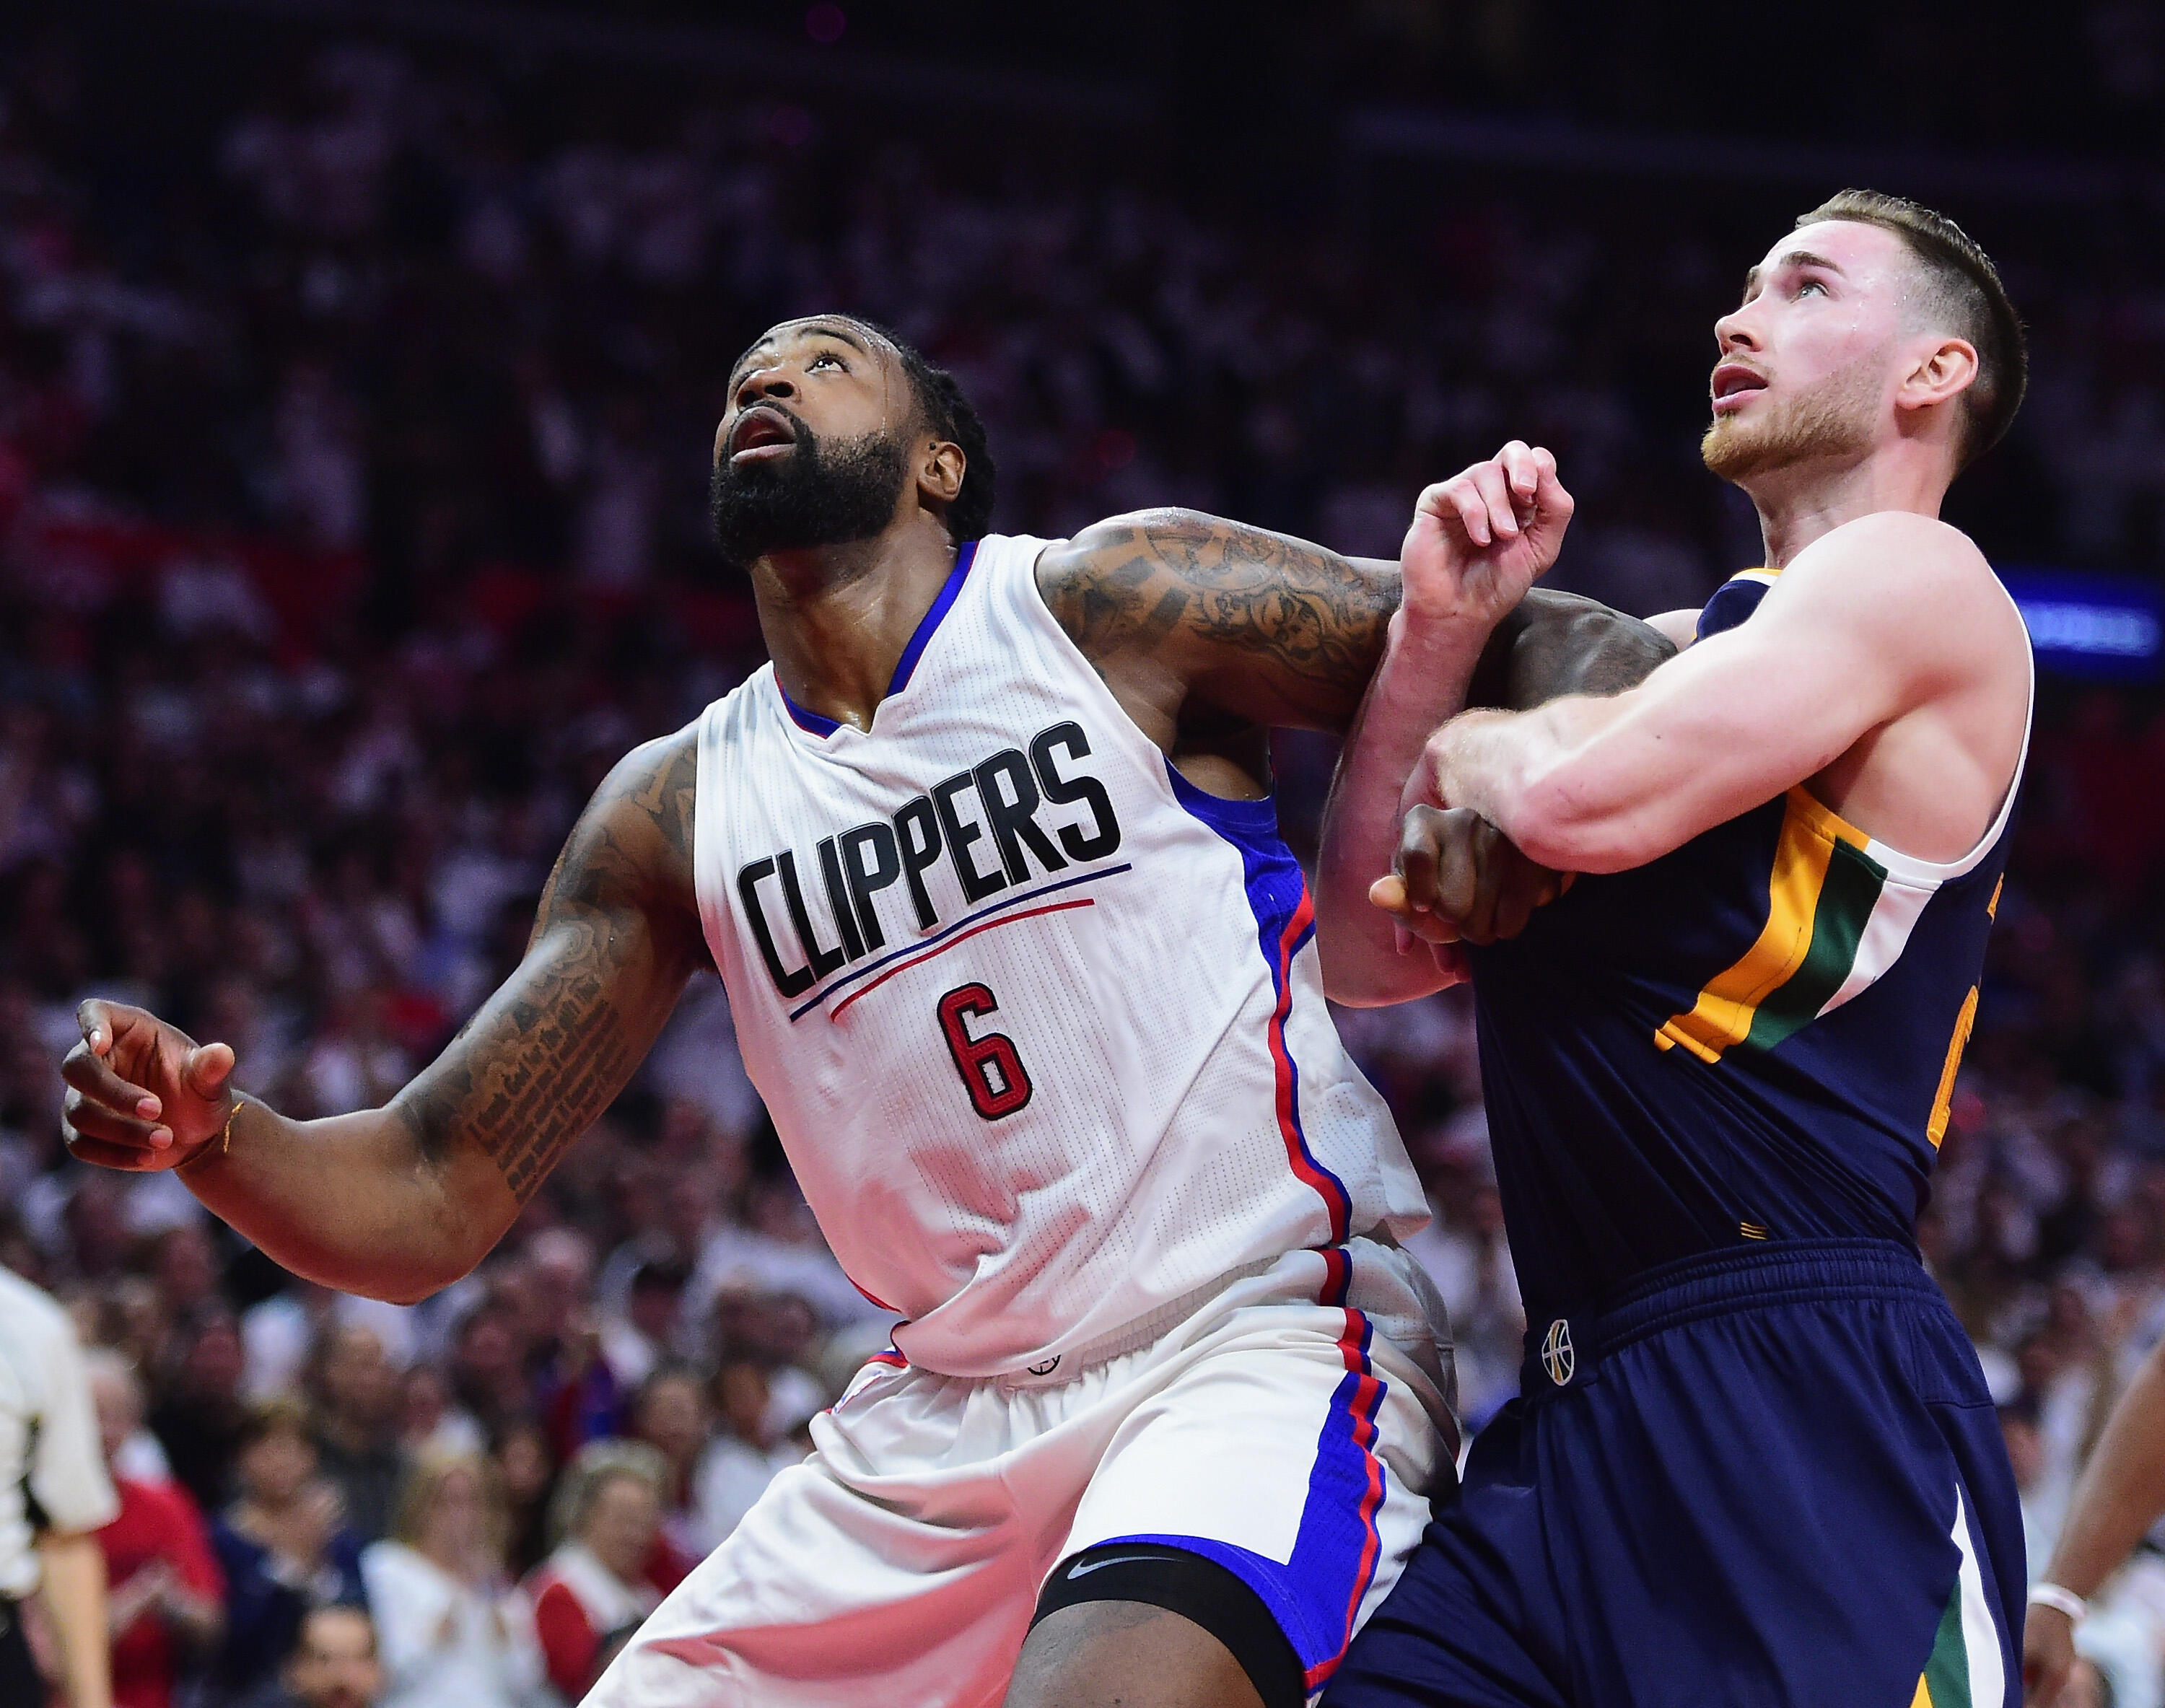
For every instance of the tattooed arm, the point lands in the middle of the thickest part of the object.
(1470, 633)
(1210, 632)
(397, 1202)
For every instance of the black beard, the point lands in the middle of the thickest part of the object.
(817, 495)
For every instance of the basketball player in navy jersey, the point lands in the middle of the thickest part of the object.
(986, 860)
(1753, 1459)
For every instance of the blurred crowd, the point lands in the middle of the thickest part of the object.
(352, 468)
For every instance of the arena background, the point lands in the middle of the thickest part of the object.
(358, 360)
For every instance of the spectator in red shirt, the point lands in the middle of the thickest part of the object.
(165, 1605)
(591, 1592)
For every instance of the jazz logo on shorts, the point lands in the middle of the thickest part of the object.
(1557, 1356)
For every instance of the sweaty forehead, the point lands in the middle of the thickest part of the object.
(840, 327)
(1861, 251)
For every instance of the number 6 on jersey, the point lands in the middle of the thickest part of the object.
(991, 1068)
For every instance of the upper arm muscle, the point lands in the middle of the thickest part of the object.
(1868, 625)
(1846, 641)
(1557, 643)
(616, 937)
(1171, 606)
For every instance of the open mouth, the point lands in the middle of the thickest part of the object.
(762, 431)
(1733, 382)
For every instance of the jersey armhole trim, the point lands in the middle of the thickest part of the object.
(1233, 819)
(1931, 874)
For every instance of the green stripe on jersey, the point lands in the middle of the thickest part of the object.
(1947, 1673)
(1851, 890)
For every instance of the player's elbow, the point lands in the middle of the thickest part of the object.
(1358, 972)
(1370, 987)
(1349, 978)
(413, 1286)
(455, 1254)
(418, 1260)
(407, 1279)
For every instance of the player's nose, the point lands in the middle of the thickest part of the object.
(1733, 331)
(763, 383)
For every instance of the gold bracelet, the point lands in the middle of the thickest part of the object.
(224, 1138)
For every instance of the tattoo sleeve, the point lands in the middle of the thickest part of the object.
(1258, 625)
(615, 939)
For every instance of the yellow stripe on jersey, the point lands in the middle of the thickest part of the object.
(1722, 1017)
(1943, 1104)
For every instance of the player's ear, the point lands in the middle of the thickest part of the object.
(939, 471)
(1943, 371)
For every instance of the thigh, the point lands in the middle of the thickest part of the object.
(1769, 1496)
(828, 1596)
(1299, 1453)
(1772, 1506)
(1474, 1620)
(1123, 1654)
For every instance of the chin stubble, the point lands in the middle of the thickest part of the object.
(1832, 421)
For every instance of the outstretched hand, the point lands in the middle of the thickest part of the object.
(1457, 878)
(1479, 540)
(142, 1095)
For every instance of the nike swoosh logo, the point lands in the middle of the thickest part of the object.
(1083, 1567)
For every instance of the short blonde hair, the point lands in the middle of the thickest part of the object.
(423, 1486)
(278, 1414)
(590, 1467)
(1965, 286)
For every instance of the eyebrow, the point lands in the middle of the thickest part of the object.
(1795, 257)
(821, 330)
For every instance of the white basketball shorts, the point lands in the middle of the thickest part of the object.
(1293, 1430)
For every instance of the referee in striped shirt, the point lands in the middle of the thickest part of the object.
(54, 1495)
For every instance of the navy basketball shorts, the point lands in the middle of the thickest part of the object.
(1769, 1476)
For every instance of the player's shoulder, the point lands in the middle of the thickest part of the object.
(1117, 549)
(1134, 580)
(644, 807)
(1094, 582)
(1895, 551)
(1125, 550)
(1918, 592)
(661, 759)
(1138, 529)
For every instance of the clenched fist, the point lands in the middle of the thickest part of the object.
(1457, 878)
(1479, 540)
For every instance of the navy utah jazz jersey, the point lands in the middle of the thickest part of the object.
(1753, 1037)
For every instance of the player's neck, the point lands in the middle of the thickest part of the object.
(1800, 504)
(836, 618)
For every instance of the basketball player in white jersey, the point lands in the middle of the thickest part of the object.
(1017, 958)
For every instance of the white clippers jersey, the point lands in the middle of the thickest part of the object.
(1039, 1023)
